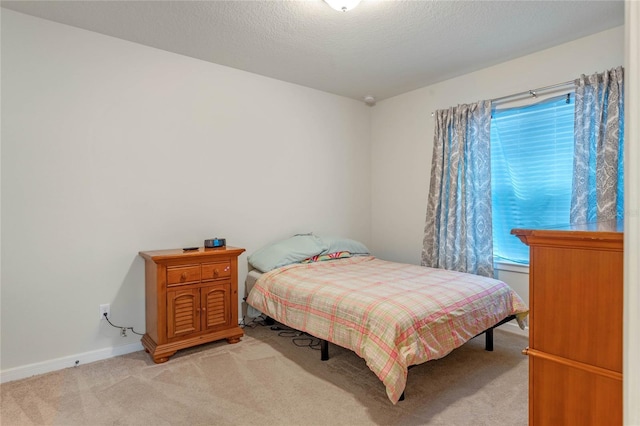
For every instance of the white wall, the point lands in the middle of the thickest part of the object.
(631, 337)
(109, 148)
(402, 136)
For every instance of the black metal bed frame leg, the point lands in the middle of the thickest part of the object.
(324, 350)
(488, 343)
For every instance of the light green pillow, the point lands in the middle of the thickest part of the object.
(337, 244)
(285, 252)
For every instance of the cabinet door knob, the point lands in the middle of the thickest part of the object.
(183, 277)
(216, 272)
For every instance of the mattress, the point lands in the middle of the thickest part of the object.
(249, 282)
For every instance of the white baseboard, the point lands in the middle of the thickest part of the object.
(25, 371)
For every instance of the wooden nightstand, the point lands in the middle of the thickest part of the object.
(191, 298)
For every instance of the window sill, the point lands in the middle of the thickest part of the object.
(511, 267)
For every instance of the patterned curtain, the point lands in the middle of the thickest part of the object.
(598, 190)
(458, 234)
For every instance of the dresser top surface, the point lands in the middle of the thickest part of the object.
(616, 226)
(605, 232)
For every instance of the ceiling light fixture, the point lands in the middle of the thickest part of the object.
(342, 5)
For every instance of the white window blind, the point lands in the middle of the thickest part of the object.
(531, 171)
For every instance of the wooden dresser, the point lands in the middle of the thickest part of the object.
(191, 298)
(575, 330)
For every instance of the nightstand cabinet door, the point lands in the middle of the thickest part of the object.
(183, 309)
(191, 299)
(216, 300)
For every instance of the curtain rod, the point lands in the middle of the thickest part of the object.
(533, 92)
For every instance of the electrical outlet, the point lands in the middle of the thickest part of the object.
(105, 309)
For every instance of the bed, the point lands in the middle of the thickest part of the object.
(393, 315)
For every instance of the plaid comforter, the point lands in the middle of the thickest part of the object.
(391, 314)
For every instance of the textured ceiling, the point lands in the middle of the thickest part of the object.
(379, 49)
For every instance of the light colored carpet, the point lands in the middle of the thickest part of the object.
(267, 380)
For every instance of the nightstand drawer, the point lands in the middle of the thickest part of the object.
(214, 271)
(183, 275)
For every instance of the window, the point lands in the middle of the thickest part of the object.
(531, 171)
